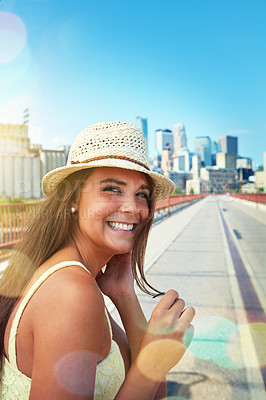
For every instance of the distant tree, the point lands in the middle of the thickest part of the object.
(15, 200)
(260, 190)
(177, 190)
(259, 168)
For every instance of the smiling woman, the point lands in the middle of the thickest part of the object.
(56, 338)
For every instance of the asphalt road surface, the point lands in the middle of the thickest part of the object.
(214, 254)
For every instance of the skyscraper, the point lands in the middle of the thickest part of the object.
(214, 151)
(180, 137)
(228, 144)
(202, 146)
(142, 123)
(226, 160)
(164, 140)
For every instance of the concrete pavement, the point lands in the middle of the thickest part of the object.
(189, 252)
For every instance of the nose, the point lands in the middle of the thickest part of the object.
(129, 205)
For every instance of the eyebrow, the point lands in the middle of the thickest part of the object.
(110, 180)
(145, 187)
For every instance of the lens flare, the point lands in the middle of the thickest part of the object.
(71, 35)
(12, 287)
(74, 372)
(211, 340)
(13, 36)
(253, 344)
(158, 357)
(16, 68)
(258, 333)
(11, 111)
(229, 345)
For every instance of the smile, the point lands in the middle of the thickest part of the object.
(121, 227)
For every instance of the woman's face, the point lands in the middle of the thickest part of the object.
(113, 204)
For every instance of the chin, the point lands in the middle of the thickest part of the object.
(122, 249)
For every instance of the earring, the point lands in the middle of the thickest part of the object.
(73, 210)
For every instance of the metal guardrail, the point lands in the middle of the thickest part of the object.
(13, 217)
(172, 204)
(255, 197)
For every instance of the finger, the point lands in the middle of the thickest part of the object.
(188, 314)
(188, 336)
(186, 318)
(168, 299)
(177, 307)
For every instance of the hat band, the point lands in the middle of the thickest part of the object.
(111, 156)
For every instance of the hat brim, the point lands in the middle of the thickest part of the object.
(163, 185)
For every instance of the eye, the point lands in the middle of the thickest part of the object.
(144, 195)
(113, 189)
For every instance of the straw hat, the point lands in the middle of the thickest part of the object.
(109, 144)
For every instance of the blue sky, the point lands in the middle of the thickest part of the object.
(198, 62)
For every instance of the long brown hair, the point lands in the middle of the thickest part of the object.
(49, 229)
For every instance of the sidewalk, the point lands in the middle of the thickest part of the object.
(255, 210)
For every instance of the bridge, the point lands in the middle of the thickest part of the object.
(213, 253)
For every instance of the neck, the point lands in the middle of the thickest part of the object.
(93, 260)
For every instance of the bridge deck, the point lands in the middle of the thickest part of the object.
(191, 253)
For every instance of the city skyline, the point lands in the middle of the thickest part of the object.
(197, 64)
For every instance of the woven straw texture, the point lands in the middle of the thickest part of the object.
(109, 144)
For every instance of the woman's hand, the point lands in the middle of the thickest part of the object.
(162, 344)
(117, 280)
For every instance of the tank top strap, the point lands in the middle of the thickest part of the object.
(13, 332)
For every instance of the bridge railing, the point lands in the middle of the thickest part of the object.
(255, 197)
(14, 217)
(171, 204)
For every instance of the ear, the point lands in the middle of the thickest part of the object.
(74, 207)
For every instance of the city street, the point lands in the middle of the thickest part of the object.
(193, 253)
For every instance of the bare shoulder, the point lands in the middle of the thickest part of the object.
(71, 291)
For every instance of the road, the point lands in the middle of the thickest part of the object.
(195, 257)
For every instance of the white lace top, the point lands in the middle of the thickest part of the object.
(110, 372)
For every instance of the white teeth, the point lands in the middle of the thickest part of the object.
(121, 227)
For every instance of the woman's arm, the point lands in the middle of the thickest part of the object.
(161, 348)
(135, 325)
(117, 283)
(133, 320)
